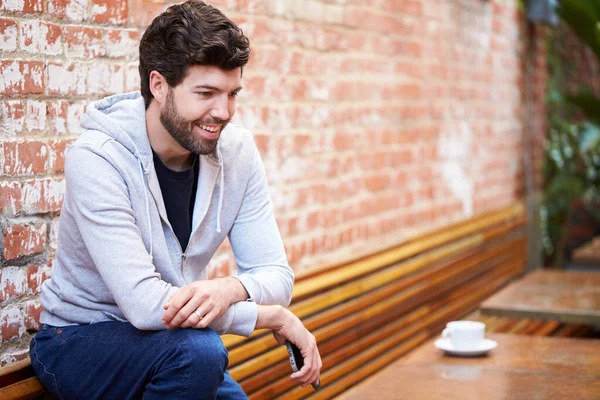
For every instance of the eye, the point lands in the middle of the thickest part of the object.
(204, 94)
(234, 94)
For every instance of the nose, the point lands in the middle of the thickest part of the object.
(220, 109)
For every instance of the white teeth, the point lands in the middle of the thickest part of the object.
(209, 128)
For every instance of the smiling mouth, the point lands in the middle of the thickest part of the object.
(209, 128)
(210, 132)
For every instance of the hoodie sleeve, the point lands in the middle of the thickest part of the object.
(257, 244)
(99, 201)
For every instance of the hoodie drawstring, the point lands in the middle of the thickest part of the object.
(221, 191)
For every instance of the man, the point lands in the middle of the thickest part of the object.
(154, 185)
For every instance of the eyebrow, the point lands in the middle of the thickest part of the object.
(216, 89)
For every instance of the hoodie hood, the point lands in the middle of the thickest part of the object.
(122, 117)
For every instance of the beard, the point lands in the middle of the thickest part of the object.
(182, 129)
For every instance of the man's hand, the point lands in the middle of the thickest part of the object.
(286, 326)
(196, 305)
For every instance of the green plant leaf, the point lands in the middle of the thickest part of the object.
(582, 17)
(589, 104)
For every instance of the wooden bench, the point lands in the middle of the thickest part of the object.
(369, 312)
(588, 254)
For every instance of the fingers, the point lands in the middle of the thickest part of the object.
(174, 305)
(193, 319)
(187, 311)
(205, 320)
(311, 371)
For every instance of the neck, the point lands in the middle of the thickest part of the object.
(166, 148)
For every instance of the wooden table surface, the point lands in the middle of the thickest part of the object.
(521, 367)
(588, 254)
(566, 296)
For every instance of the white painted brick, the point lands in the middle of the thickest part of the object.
(31, 194)
(75, 112)
(34, 38)
(13, 5)
(12, 279)
(8, 38)
(53, 233)
(66, 79)
(98, 76)
(124, 46)
(132, 78)
(36, 115)
(58, 123)
(77, 10)
(116, 79)
(12, 118)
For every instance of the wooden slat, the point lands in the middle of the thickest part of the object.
(567, 330)
(15, 372)
(29, 388)
(357, 270)
(547, 329)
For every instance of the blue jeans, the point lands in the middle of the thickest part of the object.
(114, 360)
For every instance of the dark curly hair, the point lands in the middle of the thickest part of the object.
(192, 33)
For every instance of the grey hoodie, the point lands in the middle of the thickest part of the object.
(118, 258)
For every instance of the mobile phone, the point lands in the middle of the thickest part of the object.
(297, 361)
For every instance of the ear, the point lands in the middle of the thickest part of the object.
(158, 86)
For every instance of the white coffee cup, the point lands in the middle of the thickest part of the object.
(464, 335)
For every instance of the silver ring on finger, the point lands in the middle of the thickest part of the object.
(200, 316)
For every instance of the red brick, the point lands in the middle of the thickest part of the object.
(8, 34)
(57, 154)
(12, 325)
(36, 274)
(109, 11)
(28, 6)
(12, 356)
(142, 12)
(84, 42)
(22, 240)
(21, 77)
(32, 315)
(376, 183)
(25, 158)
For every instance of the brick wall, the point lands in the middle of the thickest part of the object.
(377, 120)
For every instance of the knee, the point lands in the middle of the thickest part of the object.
(204, 348)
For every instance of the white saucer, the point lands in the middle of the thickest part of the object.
(484, 346)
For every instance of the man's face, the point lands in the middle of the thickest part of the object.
(197, 110)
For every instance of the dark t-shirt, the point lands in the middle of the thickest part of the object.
(179, 194)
